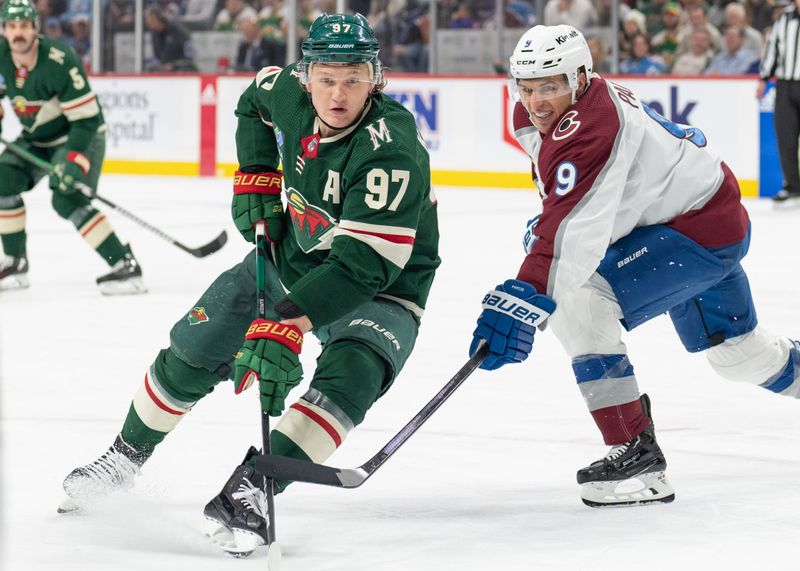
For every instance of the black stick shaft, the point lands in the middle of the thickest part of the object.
(199, 252)
(261, 294)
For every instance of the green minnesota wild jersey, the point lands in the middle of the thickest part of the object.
(360, 209)
(53, 100)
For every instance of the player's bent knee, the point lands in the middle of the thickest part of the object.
(66, 204)
(14, 181)
(181, 380)
(352, 375)
(750, 358)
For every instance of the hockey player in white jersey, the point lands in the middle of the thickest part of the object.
(639, 217)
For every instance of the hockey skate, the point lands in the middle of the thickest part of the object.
(113, 471)
(237, 517)
(786, 199)
(14, 272)
(125, 277)
(630, 474)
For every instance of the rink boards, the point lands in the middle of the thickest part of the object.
(184, 125)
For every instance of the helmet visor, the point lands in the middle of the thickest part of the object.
(538, 89)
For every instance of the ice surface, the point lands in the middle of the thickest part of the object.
(488, 483)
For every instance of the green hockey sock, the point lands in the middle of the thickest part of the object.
(14, 244)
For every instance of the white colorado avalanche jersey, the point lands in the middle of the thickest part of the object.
(611, 164)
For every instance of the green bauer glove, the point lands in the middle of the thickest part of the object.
(257, 196)
(74, 169)
(270, 354)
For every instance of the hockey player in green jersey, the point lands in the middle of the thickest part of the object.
(62, 123)
(353, 256)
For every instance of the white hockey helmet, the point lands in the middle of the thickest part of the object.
(545, 51)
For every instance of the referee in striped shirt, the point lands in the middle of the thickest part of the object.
(782, 61)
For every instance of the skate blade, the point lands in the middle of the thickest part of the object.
(68, 506)
(133, 286)
(641, 490)
(236, 543)
(14, 282)
(788, 204)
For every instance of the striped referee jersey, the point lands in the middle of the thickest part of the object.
(782, 52)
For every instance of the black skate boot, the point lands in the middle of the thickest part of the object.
(630, 474)
(237, 517)
(786, 198)
(125, 277)
(14, 272)
(113, 471)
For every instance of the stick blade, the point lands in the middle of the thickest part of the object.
(213, 246)
(284, 468)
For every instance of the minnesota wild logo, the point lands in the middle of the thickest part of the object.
(313, 226)
(197, 315)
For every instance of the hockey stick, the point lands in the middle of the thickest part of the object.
(199, 252)
(274, 551)
(284, 468)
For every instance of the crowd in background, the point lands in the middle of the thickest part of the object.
(690, 37)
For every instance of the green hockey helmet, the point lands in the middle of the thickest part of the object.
(18, 10)
(340, 38)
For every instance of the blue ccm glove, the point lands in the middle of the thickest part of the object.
(511, 313)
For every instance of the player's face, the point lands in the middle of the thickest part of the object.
(339, 91)
(545, 99)
(20, 34)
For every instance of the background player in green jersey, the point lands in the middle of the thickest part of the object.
(352, 259)
(62, 123)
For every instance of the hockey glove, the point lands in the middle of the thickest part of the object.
(257, 196)
(511, 313)
(529, 238)
(72, 170)
(270, 355)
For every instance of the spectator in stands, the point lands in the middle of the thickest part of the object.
(50, 8)
(632, 25)
(53, 29)
(759, 13)
(641, 61)
(652, 11)
(597, 48)
(120, 15)
(172, 43)
(698, 21)
(234, 12)
(578, 13)
(463, 16)
(735, 17)
(76, 8)
(384, 18)
(735, 58)
(197, 14)
(411, 48)
(665, 43)
(80, 38)
(696, 60)
(519, 14)
(255, 51)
